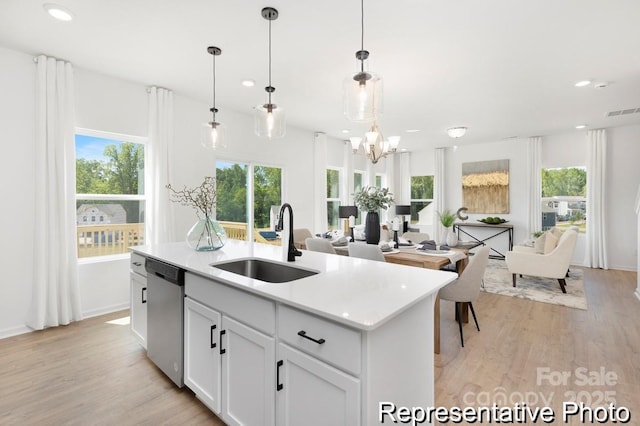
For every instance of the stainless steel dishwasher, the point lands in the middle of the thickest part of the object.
(165, 313)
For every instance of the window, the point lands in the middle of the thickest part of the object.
(333, 198)
(358, 183)
(231, 192)
(110, 200)
(564, 201)
(421, 195)
(381, 180)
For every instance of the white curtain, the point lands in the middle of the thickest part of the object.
(534, 153)
(596, 249)
(159, 218)
(405, 179)
(320, 182)
(56, 293)
(438, 190)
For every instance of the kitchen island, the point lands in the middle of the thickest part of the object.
(324, 349)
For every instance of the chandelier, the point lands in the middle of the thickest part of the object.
(374, 145)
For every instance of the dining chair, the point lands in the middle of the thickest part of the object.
(299, 235)
(415, 237)
(466, 288)
(366, 251)
(322, 245)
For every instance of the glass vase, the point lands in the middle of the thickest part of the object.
(206, 235)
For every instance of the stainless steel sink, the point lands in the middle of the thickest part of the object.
(264, 270)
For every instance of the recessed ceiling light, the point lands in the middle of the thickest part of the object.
(58, 12)
(345, 131)
(583, 83)
(248, 83)
(412, 130)
(403, 149)
(581, 126)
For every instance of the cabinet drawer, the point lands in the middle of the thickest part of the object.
(137, 264)
(324, 339)
(252, 310)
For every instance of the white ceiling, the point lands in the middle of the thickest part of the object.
(503, 68)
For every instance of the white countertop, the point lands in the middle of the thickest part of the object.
(360, 293)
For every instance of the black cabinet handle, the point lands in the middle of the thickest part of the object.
(213, 344)
(143, 295)
(137, 264)
(278, 384)
(303, 333)
(222, 333)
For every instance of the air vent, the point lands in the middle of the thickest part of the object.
(623, 112)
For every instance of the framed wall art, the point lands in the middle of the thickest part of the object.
(485, 186)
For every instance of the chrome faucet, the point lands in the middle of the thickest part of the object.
(292, 251)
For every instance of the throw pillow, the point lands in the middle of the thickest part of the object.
(550, 243)
(557, 232)
(539, 243)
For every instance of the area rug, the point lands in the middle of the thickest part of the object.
(497, 279)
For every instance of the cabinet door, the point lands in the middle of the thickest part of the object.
(138, 308)
(202, 352)
(314, 393)
(248, 375)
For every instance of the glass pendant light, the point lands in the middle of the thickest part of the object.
(269, 118)
(214, 133)
(363, 89)
(374, 144)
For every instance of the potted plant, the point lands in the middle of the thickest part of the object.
(447, 220)
(371, 200)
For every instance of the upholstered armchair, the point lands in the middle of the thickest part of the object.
(553, 264)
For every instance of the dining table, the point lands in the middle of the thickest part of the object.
(409, 256)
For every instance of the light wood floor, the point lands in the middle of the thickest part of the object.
(95, 373)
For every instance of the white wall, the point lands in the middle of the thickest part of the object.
(17, 112)
(623, 174)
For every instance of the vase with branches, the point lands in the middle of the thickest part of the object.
(206, 234)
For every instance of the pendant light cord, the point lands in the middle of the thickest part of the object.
(214, 89)
(270, 62)
(361, 33)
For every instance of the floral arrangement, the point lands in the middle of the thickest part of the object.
(447, 218)
(201, 198)
(372, 199)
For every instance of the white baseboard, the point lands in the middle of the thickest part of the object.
(14, 331)
(105, 310)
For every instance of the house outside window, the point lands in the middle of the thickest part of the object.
(110, 198)
(421, 196)
(564, 201)
(333, 198)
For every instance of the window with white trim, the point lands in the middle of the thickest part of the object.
(334, 175)
(421, 195)
(110, 197)
(564, 198)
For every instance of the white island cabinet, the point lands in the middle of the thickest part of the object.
(138, 305)
(325, 349)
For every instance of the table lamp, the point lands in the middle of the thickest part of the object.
(350, 213)
(403, 210)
